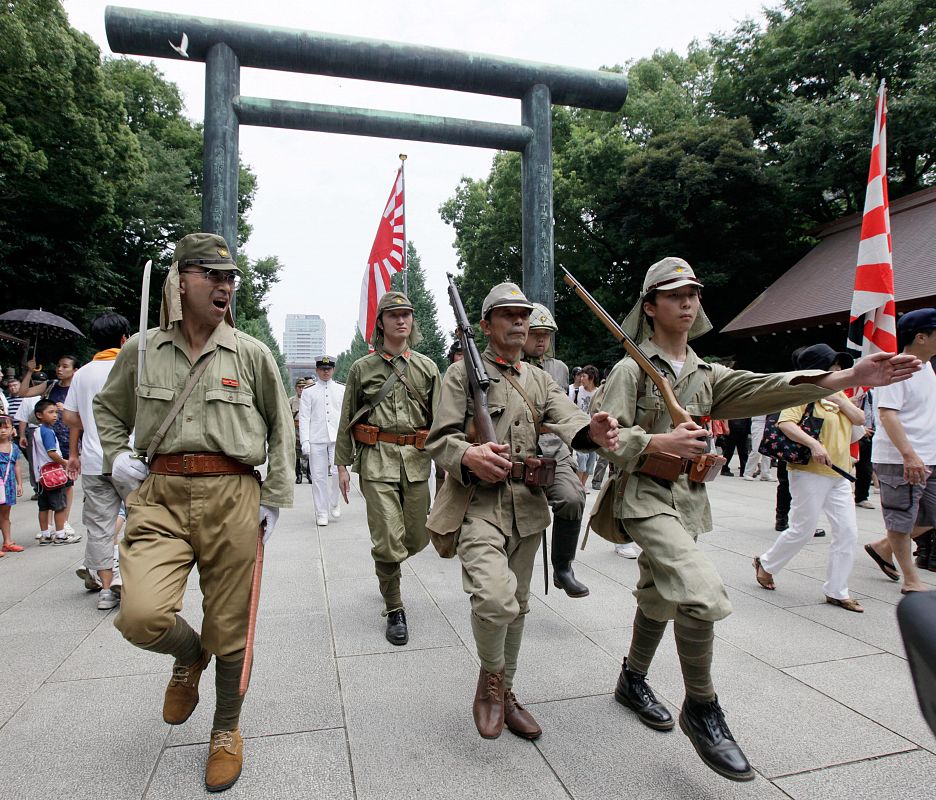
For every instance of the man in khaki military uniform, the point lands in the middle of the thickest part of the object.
(198, 500)
(485, 502)
(677, 581)
(566, 495)
(391, 395)
(302, 460)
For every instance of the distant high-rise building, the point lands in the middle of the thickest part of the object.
(303, 343)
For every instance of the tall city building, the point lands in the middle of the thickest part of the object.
(303, 343)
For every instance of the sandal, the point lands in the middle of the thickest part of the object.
(889, 569)
(12, 547)
(765, 583)
(849, 604)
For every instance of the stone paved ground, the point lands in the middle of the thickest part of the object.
(820, 698)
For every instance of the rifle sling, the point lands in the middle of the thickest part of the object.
(526, 398)
(382, 392)
(413, 393)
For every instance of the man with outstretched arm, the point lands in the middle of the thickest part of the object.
(677, 581)
(199, 500)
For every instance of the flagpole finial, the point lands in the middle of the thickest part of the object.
(402, 156)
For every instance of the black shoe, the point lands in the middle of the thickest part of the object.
(704, 723)
(818, 533)
(632, 691)
(397, 632)
(781, 524)
(298, 479)
(727, 472)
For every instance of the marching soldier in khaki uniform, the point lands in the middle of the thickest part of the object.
(389, 401)
(677, 581)
(493, 501)
(302, 461)
(198, 499)
(566, 495)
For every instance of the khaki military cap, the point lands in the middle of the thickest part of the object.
(393, 301)
(541, 318)
(670, 273)
(205, 249)
(504, 295)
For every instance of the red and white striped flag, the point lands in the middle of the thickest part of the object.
(872, 325)
(387, 256)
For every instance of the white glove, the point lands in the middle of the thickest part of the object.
(130, 469)
(306, 448)
(268, 518)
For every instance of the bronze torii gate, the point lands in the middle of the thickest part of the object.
(227, 46)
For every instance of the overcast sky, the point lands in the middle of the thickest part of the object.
(320, 195)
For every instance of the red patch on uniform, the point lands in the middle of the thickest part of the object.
(230, 382)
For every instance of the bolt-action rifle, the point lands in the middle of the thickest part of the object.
(705, 467)
(478, 378)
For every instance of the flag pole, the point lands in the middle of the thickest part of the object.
(403, 189)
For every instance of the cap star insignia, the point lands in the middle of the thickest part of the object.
(514, 293)
(223, 252)
(680, 269)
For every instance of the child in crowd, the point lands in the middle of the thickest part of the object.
(46, 450)
(11, 479)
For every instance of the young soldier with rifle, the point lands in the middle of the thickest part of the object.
(658, 496)
(492, 508)
(389, 402)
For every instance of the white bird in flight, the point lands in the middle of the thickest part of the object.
(182, 47)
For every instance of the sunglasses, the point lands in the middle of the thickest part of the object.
(216, 276)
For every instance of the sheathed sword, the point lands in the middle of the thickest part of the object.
(253, 606)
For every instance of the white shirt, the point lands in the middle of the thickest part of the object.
(320, 412)
(86, 383)
(914, 400)
(584, 398)
(25, 411)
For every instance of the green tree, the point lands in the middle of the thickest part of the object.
(807, 81)
(425, 313)
(346, 358)
(67, 157)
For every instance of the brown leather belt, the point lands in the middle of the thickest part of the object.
(517, 471)
(401, 439)
(198, 464)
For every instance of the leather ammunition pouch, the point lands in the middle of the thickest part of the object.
(365, 434)
(667, 467)
(534, 471)
(371, 434)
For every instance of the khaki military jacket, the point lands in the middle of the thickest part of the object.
(398, 412)
(238, 407)
(551, 445)
(703, 390)
(511, 503)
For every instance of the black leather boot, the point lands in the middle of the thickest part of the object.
(397, 632)
(632, 691)
(564, 541)
(704, 723)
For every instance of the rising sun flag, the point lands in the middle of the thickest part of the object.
(872, 326)
(387, 256)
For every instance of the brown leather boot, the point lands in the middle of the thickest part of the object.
(182, 691)
(488, 707)
(225, 760)
(519, 721)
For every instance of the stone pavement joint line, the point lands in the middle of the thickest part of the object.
(821, 700)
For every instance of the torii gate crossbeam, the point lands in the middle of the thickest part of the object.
(225, 46)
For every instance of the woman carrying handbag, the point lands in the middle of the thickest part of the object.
(825, 429)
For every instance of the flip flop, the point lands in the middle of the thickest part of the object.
(849, 604)
(889, 569)
(764, 584)
(12, 547)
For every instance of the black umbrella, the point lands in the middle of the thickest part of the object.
(31, 324)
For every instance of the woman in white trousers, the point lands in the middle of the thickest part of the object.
(815, 487)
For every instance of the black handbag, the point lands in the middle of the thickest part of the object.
(776, 444)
